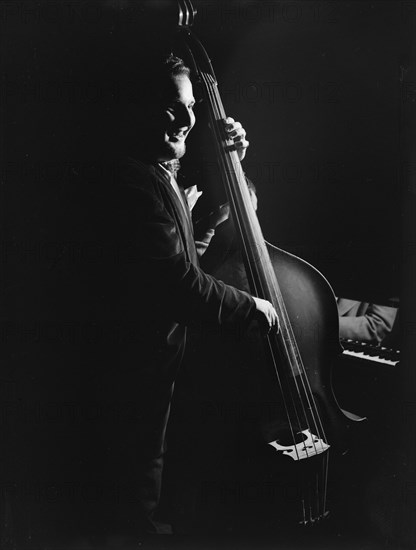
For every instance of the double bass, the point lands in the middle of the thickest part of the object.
(300, 355)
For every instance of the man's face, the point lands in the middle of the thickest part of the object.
(175, 121)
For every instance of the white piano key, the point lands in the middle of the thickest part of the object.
(366, 357)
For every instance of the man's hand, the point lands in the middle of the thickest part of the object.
(266, 316)
(237, 133)
(220, 215)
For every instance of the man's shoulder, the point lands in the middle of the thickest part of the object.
(135, 173)
(349, 307)
(141, 186)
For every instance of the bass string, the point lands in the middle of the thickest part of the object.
(217, 113)
(226, 164)
(288, 340)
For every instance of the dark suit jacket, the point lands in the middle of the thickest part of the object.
(118, 293)
(159, 272)
(129, 268)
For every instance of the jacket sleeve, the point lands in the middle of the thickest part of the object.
(156, 270)
(373, 326)
(203, 242)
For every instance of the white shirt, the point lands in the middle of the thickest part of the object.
(175, 186)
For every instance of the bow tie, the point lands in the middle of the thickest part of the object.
(172, 166)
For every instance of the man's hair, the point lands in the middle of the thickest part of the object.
(174, 66)
(162, 72)
(155, 72)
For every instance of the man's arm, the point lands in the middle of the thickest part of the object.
(170, 284)
(205, 227)
(373, 326)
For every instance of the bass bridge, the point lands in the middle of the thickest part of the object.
(311, 445)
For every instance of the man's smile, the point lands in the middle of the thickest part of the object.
(178, 135)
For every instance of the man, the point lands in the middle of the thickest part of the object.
(364, 321)
(159, 277)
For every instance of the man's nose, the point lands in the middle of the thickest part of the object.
(185, 118)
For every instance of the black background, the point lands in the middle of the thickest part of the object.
(326, 92)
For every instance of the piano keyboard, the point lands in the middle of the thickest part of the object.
(370, 352)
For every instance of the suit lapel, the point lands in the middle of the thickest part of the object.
(180, 212)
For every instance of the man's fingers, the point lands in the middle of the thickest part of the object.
(273, 320)
(267, 316)
(241, 143)
(235, 130)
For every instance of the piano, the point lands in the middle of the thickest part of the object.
(370, 352)
(365, 374)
